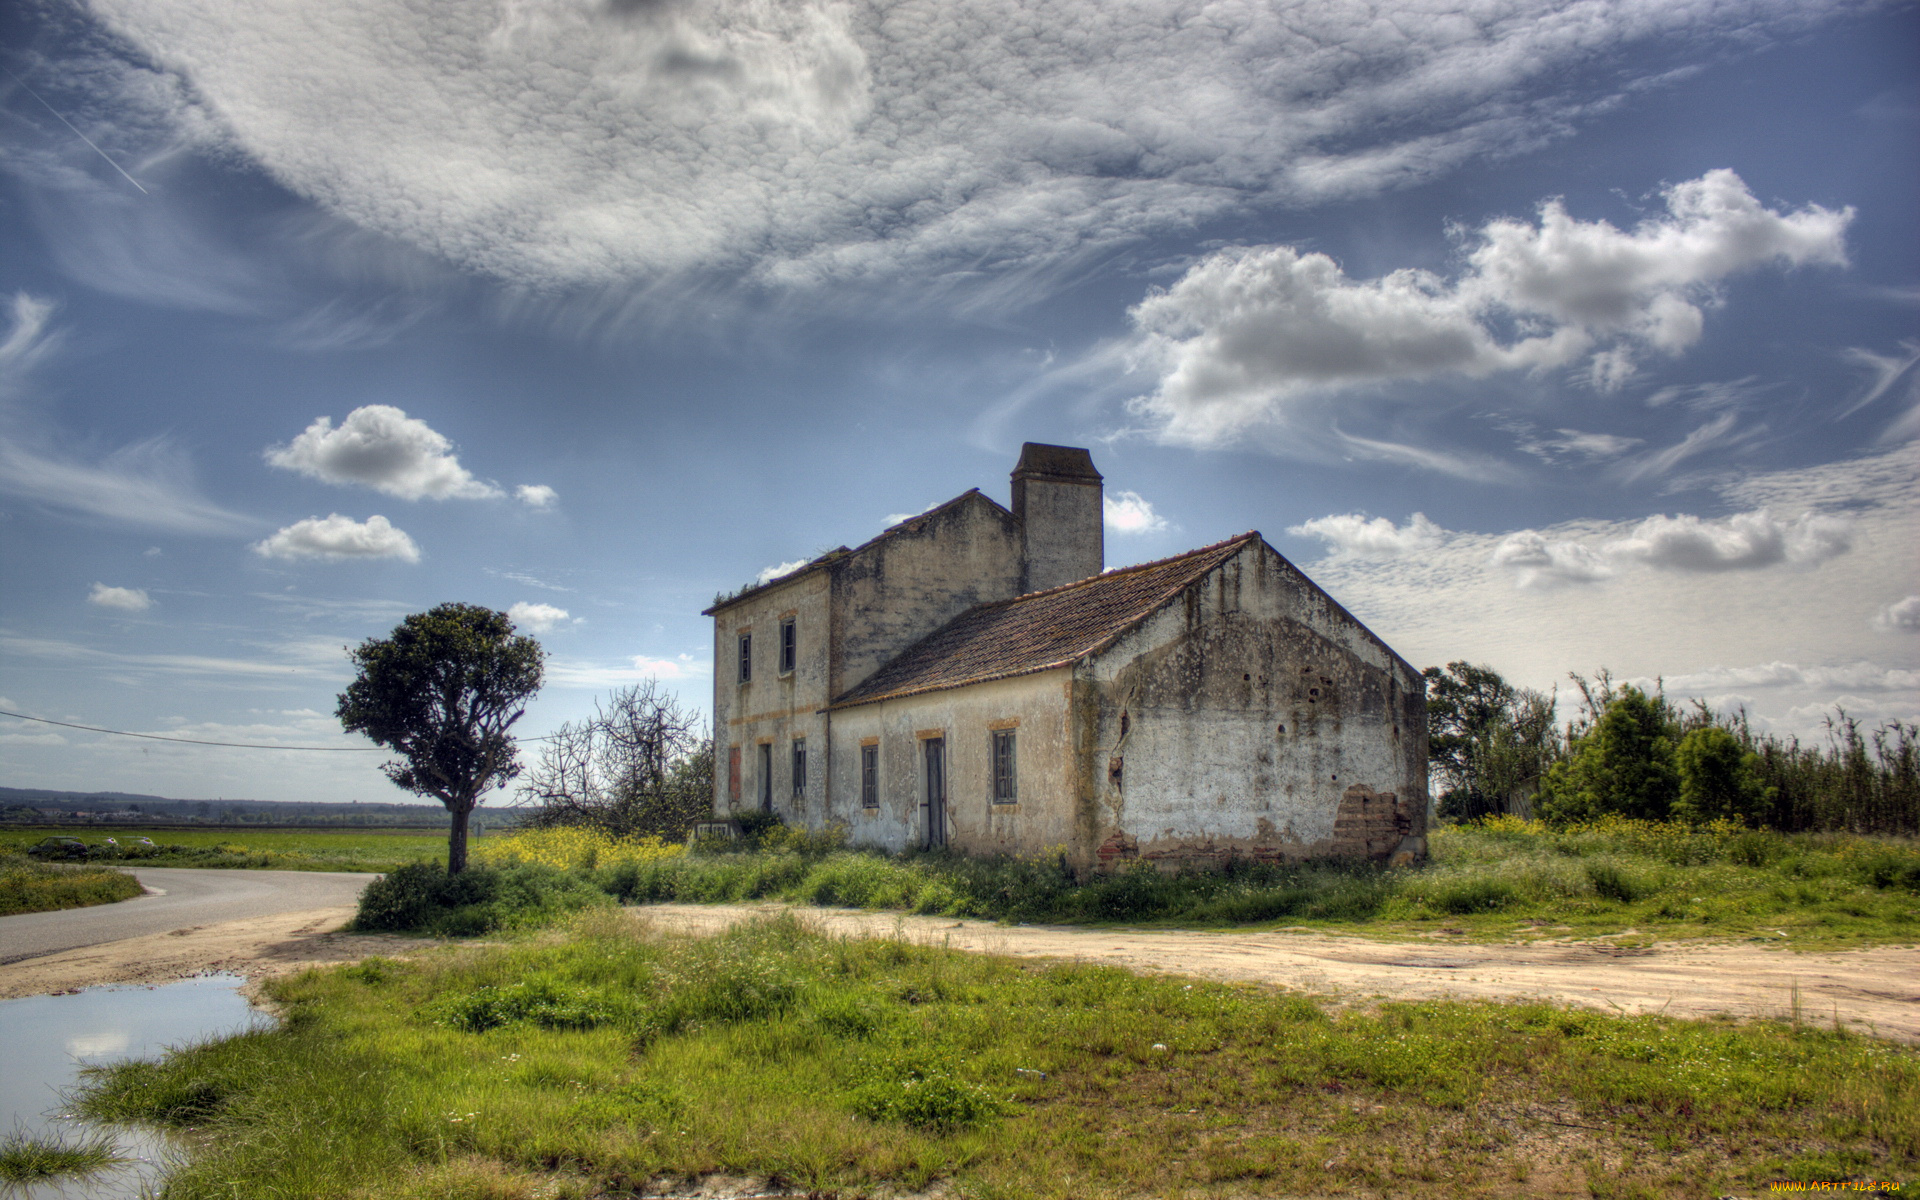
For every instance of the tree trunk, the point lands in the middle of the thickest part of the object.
(457, 841)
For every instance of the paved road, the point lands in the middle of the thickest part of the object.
(183, 898)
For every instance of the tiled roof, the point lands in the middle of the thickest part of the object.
(1040, 631)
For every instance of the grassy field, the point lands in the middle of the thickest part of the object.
(594, 1059)
(1630, 881)
(28, 886)
(238, 846)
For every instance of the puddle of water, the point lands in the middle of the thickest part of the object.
(45, 1040)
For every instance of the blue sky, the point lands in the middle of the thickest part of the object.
(1551, 335)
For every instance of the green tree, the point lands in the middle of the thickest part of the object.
(441, 691)
(1719, 777)
(1621, 763)
(1488, 742)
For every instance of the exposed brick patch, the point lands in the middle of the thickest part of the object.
(1370, 824)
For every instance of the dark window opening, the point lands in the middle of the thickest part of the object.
(766, 776)
(1004, 783)
(789, 644)
(746, 658)
(870, 777)
(799, 766)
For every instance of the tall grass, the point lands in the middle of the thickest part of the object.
(600, 1062)
(28, 886)
(1499, 877)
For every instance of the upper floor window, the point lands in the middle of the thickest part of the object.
(789, 646)
(870, 777)
(799, 766)
(1005, 785)
(746, 658)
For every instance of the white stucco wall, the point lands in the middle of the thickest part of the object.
(1035, 706)
(775, 706)
(1252, 706)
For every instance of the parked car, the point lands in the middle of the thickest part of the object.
(59, 847)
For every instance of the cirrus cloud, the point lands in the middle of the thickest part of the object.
(381, 447)
(338, 537)
(560, 143)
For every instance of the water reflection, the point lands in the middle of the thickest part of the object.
(45, 1040)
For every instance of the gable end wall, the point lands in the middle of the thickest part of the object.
(1261, 721)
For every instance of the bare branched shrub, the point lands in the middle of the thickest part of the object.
(641, 764)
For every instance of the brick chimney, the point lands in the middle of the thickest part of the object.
(1056, 496)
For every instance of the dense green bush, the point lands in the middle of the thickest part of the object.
(423, 898)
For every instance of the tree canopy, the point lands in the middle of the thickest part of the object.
(442, 690)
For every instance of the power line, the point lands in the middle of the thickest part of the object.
(155, 737)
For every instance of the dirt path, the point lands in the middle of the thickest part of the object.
(256, 947)
(1875, 990)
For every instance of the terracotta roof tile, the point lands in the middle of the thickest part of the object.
(1039, 631)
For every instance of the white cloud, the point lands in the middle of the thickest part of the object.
(148, 483)
(1130, 512)
(1858, 676)
(338, 537)
(124, 599)
(1685, 543)
(1743, 541)
(679, 669)
(769, 574)
(537, 617)
(1540, 562)
(1353, 535)
(381, 447)
(1902, 616)
(536, 495)
(584, 143)
(1248, 331)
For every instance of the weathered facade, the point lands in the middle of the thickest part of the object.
(971, 678)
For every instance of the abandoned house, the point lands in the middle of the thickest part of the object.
(973, 678)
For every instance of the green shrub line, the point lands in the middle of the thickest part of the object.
(28, 886)
(239, 848)
(1497, 879)
(596, 1060)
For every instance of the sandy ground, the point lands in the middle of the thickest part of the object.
(257, 947)
(1872, 991)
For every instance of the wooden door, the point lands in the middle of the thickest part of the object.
(935, 750)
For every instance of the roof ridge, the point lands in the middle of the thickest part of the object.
(1140, 590)
(1118, 572)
